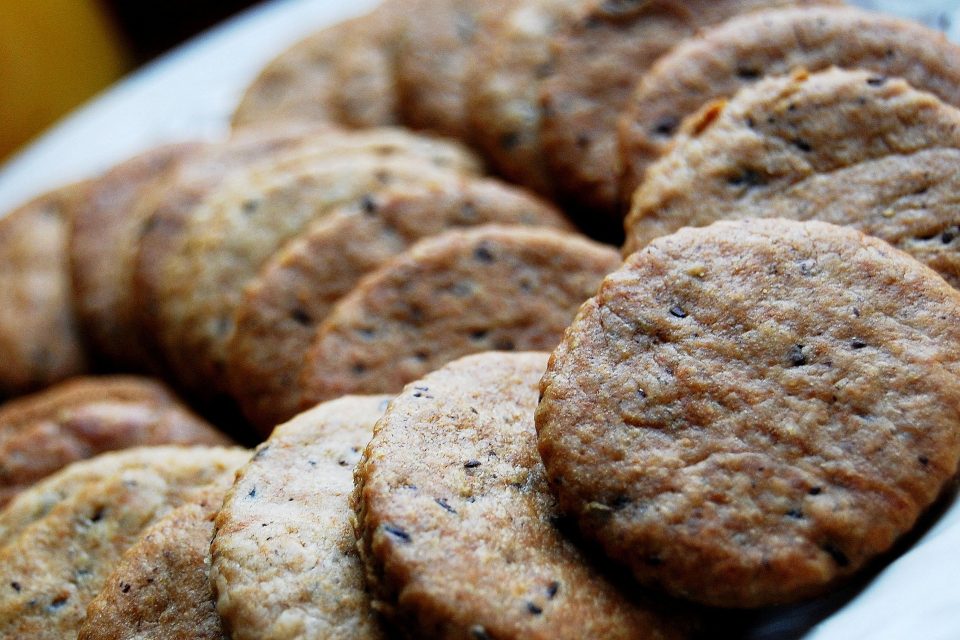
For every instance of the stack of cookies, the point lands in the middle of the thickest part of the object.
(750, 404)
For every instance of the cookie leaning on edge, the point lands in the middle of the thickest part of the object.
(465, 291)
(735, 445)
(737, 53)
(846, 147)
(285, 561)
(458, 530)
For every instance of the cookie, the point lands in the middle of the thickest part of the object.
(40, 342)
(458, 531)
(597, 60)
(83, 417)
(161, 588)
(493, 287)
(237, 229)
(844, 147)
(58, 563)
(298, 286)
(722, 60)
(102, 249)
(750, 412)
(285, 563)
(501, 88)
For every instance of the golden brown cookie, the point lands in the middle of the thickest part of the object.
(722, 60)
(844, 147)
(53, 568)
(458, 531)
(83, 417)
(748, 413)
(102, 250)
(598, 58)
(160, 588)
(39, 339)
(465, 291)
(298, 286)
(285, 562)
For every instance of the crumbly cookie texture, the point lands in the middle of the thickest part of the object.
(297, 288)
(465, 291)
(83, 417)
(749, 412)
(846, 147)
(285, 562)
(458, 530)
(737, 53)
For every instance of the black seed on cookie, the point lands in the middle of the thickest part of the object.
(677, 311)
(397, 532)
(471, 464)
(446, 505)
(857, 343)
(797, 357)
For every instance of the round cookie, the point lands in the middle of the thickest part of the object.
(722, 60)
(160, 588)
(285, 562)
(236, 230)
(83, 417)
(39, 340)
(465, 291)
(58, 563)
(845, 147)
(510, 59)
(298, 286)
(750, 412)
(598, 58)
(102, 249)
(458, 530)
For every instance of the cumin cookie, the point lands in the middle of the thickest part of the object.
(160, 588)
(465, 291)
(598, 58)
(845, 147)
(40, 342)
(53, 568)
(458, 529)
(102, 250)
(732, 444)
(285, 562)
(722, 60)
(83, 417)
(236, 230)
(298, 286)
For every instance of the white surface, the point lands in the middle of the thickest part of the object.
(191, 92)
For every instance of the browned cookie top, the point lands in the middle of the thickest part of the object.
(39, 339)
(749, 412)
(457, 527)
(844, 147)
(598, 58)
(285, 560)
(80, 418)
(465, 291)
(737, 53)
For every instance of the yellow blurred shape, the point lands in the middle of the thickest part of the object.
(54, 54)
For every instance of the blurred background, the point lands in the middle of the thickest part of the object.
(55, 54)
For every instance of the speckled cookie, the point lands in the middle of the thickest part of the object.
(102, 250)
(737, 53)
(750, 412)
(465, 291)
(39, 339)
(236, 230)
(58, 563)
(298, 286)
(160, 588)
(501, 88)
(598, 58)
(83, 417)
(347, 64)
(458, 530)
(839, 146)
(285, 562)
